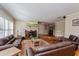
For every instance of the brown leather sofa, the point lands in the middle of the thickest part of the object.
(10, 41)
(65, 48)
(72, 38)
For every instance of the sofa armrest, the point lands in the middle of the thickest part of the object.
(17, 43)
(5, 46)
(75, 43)
(29, 51)
(62, 38)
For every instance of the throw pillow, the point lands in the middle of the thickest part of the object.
(3, 41)
(10, 41)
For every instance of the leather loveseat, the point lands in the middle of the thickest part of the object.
(72, 38)
(65, 48)
(9, 41)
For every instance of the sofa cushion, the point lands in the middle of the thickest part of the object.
(53, 46)
(17, 42)
(10, 41)
(77, 40)
(10, 37)
(6, 39)
(3, 41)
(5, 47)
(73, 38)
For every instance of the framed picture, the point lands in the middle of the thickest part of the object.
(75, 22)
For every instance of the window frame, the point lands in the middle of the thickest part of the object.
(8, 29)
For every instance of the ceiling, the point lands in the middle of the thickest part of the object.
(47, 12)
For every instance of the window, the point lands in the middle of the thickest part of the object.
(10, 27)
(6, 27)
(1, 27)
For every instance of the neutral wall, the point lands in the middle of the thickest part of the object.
(6, 15)
(60, 27)
(69, 29)
(42, 29)
(20, 27)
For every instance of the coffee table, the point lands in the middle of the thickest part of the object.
(33, 44)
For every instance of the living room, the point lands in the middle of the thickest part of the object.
(38, 29)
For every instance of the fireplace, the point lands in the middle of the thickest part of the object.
(31, 33)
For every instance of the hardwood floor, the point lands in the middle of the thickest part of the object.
(77, 52)
(49, 39)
